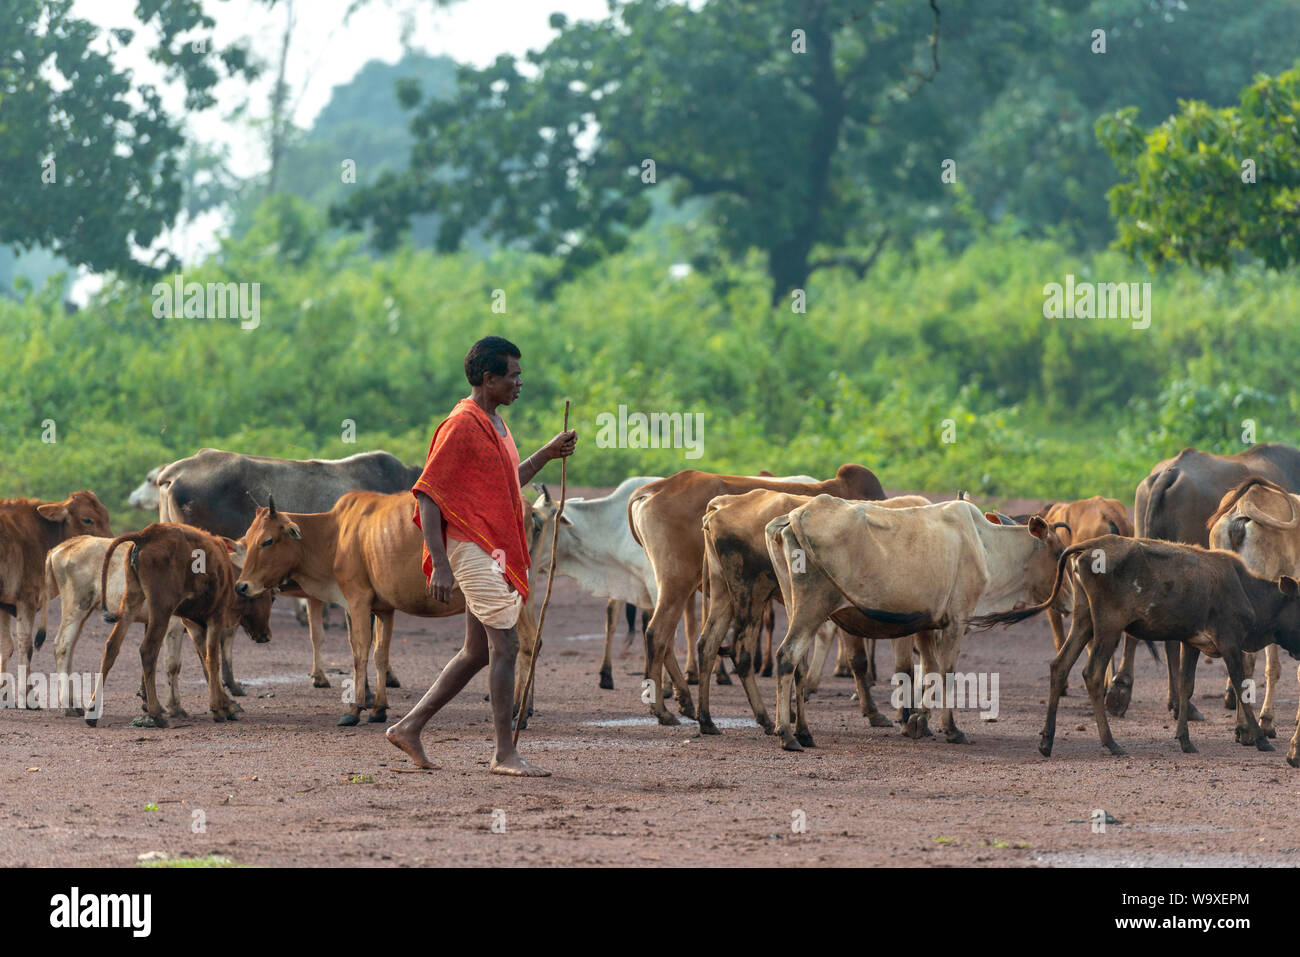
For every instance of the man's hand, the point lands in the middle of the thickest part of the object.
(561, 446)
(441, 583)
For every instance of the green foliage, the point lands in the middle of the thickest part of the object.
(115, 179)
(882, 371)
(1217, 210)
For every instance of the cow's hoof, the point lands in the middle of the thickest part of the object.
(956, 737)
(148, 721)
(723, 677)
(349, 721)
(878, 720)
(92, 722)
(1187, 746)
(1263, 744)
(1045, 746)
(767, 670)
(1117, 698)
(768, 727)
(232, 714)
(687, 708)
(790, 743)
(320, 681)
(378, 714)
(805, 738)
(1243, 737)
(74, 712)
(235, 708)
(606, 679)
(1116, 750)
(390, 681)
(236, 689)
(1230, 700)
(1293, 759)
(707, 726)
(692, 678)
(668, 719)
(178, 712)
(218, 716)
(842, 671)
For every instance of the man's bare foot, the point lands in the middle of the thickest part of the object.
(410, 743)
(518, 767)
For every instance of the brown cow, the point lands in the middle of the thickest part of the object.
(1204, 598)
(363, 553)
(29, 528)
(740, 585)
(177, 570)
(665, 518)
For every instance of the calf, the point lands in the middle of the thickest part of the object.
(29, 528)
(1260, 521)
(1207, 600)
(176, 570)
(929, 570)
(740, 584)
(73, 572)
(665, 518)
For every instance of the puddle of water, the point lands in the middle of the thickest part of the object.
(1137, 858)
(592, 637)
(647, 722)
(263, 680)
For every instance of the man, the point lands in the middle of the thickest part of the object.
(471, 511)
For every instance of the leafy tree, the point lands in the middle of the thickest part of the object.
(1208, 185)
(89, 159)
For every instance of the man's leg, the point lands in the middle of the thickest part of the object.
(465, 665)
(503, 647)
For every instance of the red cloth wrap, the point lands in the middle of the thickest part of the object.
(469, 476)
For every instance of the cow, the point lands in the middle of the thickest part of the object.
(73, 573)
(29, 528)
(145, 495)
(176, 570)
(740, 585)
(596, 549)
(931, 569)
(1155, 590)
(665, 518)
(364, 553)
(220, 491)
(1260, 521)
(1174, 503)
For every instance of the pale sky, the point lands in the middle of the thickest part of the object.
(324, 53)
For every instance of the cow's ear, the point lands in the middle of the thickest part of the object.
(564, 520)
(293, 531)
(1288, 585)
(229, 543)
(237, 555)
(1037, 527)
(52, 512)
(993, 517)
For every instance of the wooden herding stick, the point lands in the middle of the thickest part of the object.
(546, 599)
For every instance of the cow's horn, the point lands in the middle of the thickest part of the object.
(270, 503)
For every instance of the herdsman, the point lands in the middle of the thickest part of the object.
(471, 511)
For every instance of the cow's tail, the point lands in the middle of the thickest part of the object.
(910, 619)
(131, 538)
(981, 622)
(51, 591)
(632, 500)
(1155, 501)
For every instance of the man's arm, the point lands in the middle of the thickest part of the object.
(559, 447)
(441, 583)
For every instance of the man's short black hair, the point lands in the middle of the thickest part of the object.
(489, 354)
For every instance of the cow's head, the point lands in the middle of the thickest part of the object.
(268, 553)
(255, 612)
(541, 528)
(1040, 570)
(145, 495)
(81, 513)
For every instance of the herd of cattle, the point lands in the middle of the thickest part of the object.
(1206, 568)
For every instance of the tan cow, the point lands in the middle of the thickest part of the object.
(29, 528)
(1083, 519)
(176, 570)
(665, 518)
(73, 572)
(931, 568)
(1260, 521)
(364, 553)
(740, 584)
